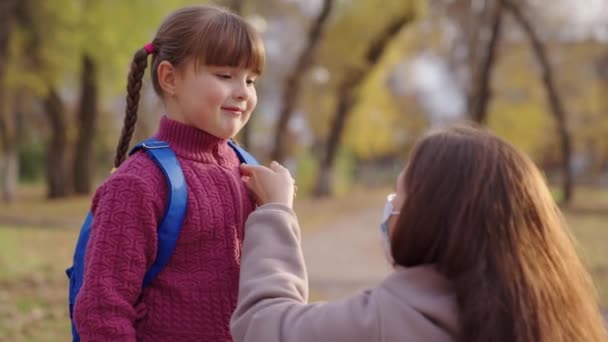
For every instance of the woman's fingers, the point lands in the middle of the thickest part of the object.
(273, 184)
(276, 167)
(253, 189)
(251, 170)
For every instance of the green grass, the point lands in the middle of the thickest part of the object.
(33, 285)
(591, 231)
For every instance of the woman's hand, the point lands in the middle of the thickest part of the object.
(269, 185)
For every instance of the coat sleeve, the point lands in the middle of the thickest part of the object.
(273, 290)
(121, 247)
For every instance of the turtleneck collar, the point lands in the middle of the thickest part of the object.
(192, 143)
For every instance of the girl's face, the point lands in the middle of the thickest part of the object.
(218, 100)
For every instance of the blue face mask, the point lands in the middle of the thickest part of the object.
(389, 211)
(386, 242)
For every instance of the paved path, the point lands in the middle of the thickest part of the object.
(346, 256)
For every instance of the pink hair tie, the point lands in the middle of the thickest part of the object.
(149, 48)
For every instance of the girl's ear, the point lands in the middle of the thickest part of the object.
(167, 78)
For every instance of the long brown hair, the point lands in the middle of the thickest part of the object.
(480, 210)
(206, 35)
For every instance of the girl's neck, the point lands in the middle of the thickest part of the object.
(192, 143)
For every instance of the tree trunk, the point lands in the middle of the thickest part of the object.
(482, 76)
(58, 185)
(294, 80)
(9, 162)
(555, 103)
(348, 97)
(87, 117)
(602, 71)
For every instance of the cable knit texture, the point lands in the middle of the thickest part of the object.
(194, 295)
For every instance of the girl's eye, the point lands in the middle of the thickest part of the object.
(225, 76)
(251, 82)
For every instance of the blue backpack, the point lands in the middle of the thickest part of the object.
(168, 229)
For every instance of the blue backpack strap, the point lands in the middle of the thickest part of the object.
(168, 229)
(244, 156)
(175, 211)
(76, 271)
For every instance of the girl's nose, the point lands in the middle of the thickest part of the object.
(241, 92)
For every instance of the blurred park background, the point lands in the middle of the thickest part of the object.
(349, 86)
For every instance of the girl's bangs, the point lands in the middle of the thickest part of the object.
(229, 41)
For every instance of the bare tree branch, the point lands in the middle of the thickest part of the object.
(294, 80)
(482, 75)
(555, 102)
(348, 97)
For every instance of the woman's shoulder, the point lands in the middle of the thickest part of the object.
(421, 296)
(423, 279)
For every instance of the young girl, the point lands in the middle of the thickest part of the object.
(479, 247)
(204, 64)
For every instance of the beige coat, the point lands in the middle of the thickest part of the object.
(415, 304)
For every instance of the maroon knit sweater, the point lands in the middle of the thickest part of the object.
(193, 297)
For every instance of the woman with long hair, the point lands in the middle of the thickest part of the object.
(480, 249)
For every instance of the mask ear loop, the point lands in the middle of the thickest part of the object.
(389, 209)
